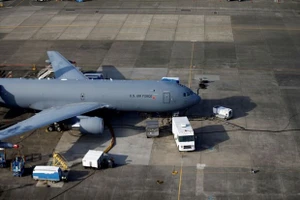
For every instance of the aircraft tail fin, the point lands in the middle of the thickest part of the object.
(63, 68)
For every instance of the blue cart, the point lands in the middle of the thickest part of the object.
(18, 166)
(2, 158)
(48, 173)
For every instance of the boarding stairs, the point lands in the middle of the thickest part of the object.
(59, 161)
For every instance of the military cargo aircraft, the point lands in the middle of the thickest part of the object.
(71, 95)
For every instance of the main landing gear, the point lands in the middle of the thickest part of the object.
(54, 127)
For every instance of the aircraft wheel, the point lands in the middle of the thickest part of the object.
(58, 129)
(50, 129)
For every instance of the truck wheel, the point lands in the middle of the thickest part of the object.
(110, 164)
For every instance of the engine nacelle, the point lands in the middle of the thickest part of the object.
(90, 125)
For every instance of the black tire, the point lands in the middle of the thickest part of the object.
(58, 129)
(50, 129)
(110, 164)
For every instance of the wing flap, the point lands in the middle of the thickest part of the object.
(49, 116)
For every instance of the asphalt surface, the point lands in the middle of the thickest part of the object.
(248, 50)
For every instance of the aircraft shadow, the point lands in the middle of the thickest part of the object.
(13, 113)
(240, 105)
(124, 120)
(110, 71)
(85, 142)
(209, 137)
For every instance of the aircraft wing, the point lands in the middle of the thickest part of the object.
(49, 116)
(62, 68)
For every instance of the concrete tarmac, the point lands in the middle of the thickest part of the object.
(248, 50)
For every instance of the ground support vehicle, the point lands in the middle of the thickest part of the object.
(18, 166)
(48, 173)
(183, 134)
(97, 159)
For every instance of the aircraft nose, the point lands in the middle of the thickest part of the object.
(197, 99)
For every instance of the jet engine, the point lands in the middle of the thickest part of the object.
(89, 125)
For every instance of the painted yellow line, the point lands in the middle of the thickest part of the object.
(180, 178)
(19, 3)
(191, 64)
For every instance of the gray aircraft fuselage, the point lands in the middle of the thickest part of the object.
(123, 95)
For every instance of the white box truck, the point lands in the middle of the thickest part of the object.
(183, 134)
(97, 159)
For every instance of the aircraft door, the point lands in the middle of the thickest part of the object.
(166, 97)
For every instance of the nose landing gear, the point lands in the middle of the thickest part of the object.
(202, 85)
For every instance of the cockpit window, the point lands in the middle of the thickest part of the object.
(188, 93)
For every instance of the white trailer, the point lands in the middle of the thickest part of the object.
(222, 112)
(97, 159)
(183, 134)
